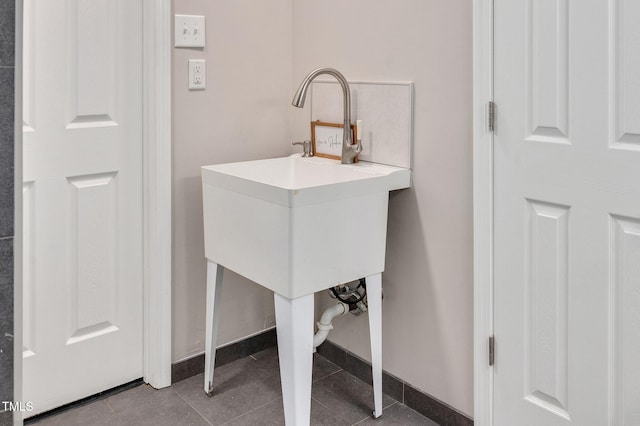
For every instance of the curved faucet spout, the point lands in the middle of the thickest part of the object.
(349, 150)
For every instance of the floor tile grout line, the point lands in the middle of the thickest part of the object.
(328, 375)
(110, 407)
(371, 416)
(328, 408)
(192, 407)
(250, 411)
(384, 393)
(394, 402)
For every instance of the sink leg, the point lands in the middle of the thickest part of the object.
(294, 324)
(374, 302)
(214, 289)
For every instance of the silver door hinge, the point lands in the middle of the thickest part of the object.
(492, 350)
(491, 115)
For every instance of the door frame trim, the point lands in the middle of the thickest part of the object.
(156, 101)
(482, 209)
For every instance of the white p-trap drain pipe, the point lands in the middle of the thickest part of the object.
(324, 325)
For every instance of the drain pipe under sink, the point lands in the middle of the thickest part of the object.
(324, 325)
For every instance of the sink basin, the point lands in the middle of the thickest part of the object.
(298, 225)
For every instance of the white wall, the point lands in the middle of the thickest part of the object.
(428, 281)
(428, 313)
(243, 114)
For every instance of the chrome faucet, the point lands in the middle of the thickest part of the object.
(349, 149)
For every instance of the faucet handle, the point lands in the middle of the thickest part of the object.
(357, 147)
(306, 147)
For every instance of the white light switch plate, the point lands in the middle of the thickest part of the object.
(197, 74)
(189, 31)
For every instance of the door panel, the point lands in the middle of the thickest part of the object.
(82, 198)
(547, 66)
(93, 256)
(545, 298)
(567, 210)
(626, 74)
(625, 339)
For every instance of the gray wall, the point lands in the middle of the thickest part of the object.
(7, 120)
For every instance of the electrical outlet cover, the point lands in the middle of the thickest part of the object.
(197, 74)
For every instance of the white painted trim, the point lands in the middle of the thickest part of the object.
(482, 209)
(157, 191)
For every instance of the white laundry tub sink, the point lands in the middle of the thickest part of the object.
(298, 225)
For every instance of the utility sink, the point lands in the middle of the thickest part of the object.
(298, 225)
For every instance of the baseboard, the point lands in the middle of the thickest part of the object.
(240, 349)
(423, 403)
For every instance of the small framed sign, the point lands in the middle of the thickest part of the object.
(326, 139)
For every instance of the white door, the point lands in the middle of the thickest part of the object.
(82, 198)
(567, 212)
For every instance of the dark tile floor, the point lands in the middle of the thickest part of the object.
(246, 393)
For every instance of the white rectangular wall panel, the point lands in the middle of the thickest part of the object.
(547, 73)
(546, 321)
(94, 268)
(387, 113)
(626, 74)
(625, 353)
